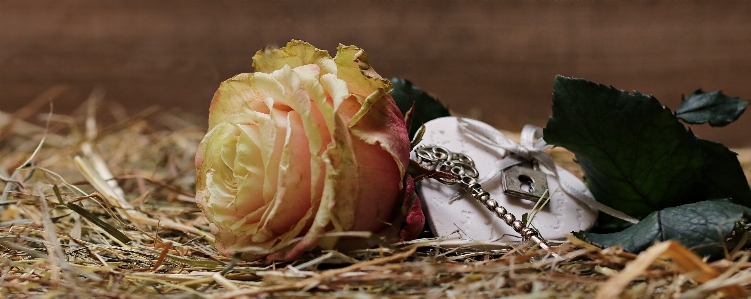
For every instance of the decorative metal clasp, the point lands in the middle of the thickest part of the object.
(441, 159)
(465, 175)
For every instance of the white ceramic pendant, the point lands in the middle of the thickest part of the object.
(466, 218)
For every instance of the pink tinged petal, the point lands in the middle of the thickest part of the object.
(415, 220)
(246, 225)
(296, 78)
(304, 90)
(271, 90)
(380, 181)
(362, 80)
(348, 108)
(379, 190)
(294, 54)
(288, 84)
(384, 125)
(317, 167)
(276, 256)
(340, 188)
(345, 179)
(336, 89)
(321, 94)
(276, 136)
(235, 212)
(384, 132)
(199, 158)
(307, 72)
(273, 130)
(293, 189)
(283, 241)
(299, 249)
(367, 104)
(319, 122)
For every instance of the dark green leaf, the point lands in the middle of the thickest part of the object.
(704, 227)
(55, 219)
(426, 108)
(57, 194)
(636, 156)
(99, 222)
(713, 107)
(723, 174)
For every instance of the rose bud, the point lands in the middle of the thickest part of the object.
(306, 146)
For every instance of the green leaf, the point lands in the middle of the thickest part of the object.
(99, 222)
(704, 227)
(713, 107)
(426, 108)
(636, 156)
(723, 174)
(88, 215)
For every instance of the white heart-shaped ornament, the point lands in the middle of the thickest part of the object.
(466, 218)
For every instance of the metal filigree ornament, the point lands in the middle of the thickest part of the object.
(462, 167)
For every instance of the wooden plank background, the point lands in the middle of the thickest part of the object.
(492, 60)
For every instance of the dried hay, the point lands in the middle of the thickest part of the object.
(105, 209)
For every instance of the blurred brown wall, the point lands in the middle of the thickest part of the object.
(492, 60)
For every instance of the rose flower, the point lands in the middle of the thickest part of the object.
(305, 146)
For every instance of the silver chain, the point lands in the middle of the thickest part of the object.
(462, 167)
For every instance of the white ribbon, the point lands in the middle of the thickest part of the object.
(530, 150)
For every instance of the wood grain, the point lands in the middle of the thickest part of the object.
(491, 60)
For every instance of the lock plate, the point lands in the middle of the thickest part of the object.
(524, 182)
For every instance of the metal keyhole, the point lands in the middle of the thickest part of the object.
(527, 184)
(524, 182)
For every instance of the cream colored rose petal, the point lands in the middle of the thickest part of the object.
(253, 179)
(248, 154)
(293, 187)
(232, 98)
(339, 188)
(272, 134)
(354, 68)
(361, 79)
(249, 172)
(225, 136)
(294, 54)
(273, 215)
(273, 164)
(305, 94)
(219, 137)
(336, 89)
(247, 198)
(270, 90)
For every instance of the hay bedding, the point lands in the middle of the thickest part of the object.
(66, 232)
